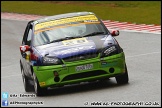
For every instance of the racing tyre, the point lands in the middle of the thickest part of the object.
(28, 87)
(123, 79)
(38, 90)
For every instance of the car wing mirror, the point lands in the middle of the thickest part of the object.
(24, 48)
(114, 32)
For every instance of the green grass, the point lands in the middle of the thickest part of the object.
(140, 12)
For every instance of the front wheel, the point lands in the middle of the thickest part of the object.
(38, 90)
(123, 79)
(28, 87)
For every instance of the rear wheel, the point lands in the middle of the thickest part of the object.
(38, 90)
(28, 87)
(123, 79)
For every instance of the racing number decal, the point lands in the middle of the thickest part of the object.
(74, 41)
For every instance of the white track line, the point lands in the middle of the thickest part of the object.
(142, 54)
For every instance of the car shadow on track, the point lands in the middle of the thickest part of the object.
(82, 87)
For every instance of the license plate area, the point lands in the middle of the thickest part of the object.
(84, 67)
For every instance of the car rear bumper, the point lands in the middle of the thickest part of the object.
(56, 75)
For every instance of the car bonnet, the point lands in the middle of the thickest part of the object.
(74, 47)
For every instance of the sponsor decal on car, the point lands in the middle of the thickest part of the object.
(66, 20)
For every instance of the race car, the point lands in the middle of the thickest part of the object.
(67, 49)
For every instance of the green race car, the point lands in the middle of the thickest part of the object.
(70, 48)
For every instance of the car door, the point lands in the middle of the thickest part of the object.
(25, 59)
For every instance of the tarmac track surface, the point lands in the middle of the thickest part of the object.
(143, 58)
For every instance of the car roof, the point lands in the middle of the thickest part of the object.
(66, 15)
